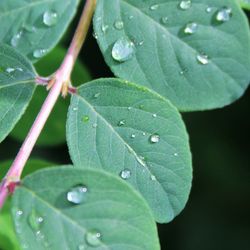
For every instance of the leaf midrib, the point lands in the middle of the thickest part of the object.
(17, 83)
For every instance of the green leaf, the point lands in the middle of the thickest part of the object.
(109, 213)
(16, 88)
(35, 27)
(54, 130)
(110, 125)
(170, 61)
(245, 4)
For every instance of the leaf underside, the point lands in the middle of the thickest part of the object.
(111, 208)
(16, 88)
(165, 56)
(110, 125)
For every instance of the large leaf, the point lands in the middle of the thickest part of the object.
(34, 27)
(69, 208)
(16, 88)
(184, 53)
(119, 127)
(54, 130)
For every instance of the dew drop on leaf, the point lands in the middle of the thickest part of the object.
(133, 136)
(94, 34)
(94, 125)
(202, 58)
(81, 247)
(10, 70)
(121, 122)
(93, 238)
(77, 194)
(50, 18)
(191, 28)
(19, 213)
(104, 28)
(164, 19)
(154, 115)
(153, 178)
(118, 24)
(35, 221)
(123, 49)
(39, 53)
(16, 39)
(224, 14)
(125, 174)
(154, 7)
(154, 138)
(209, 9)
(184, 5)
(96, 95)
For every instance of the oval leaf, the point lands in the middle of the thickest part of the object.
(104, 212)
(34, 27)
(186, 52)
(120, 127)
(54, 130)
(16, 88)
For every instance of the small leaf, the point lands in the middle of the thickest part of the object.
(135, 133)
(35, 27)
(16, 88)
(195, 53)
(112, 215)
(54, 130)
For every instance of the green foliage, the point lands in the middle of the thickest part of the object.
(16, 88)
(54, 131)
(81, 212)
(119, 127)
(35, 27)
(245, 4)
(185, 54)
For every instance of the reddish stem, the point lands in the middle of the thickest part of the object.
(62, 76)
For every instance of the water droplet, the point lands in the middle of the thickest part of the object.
(153, 178)
(85, 118)
(81, 247)
(164, 19)
(29, 28)
(93, 238)
(224, 14)
(39, 235)
(140, 43)
(125, 174)
(143, 133)
(94, 34)
(94, 125)
(121, 122)
(118, 24)
(16, 39)
(123, 49)
(209, 9)
(50, 18)
(97, 95)
(39, 53)
(133, 136)
(175, 154)
(19, 69)
(154, 7)
(202, 58)
(190, 28)
(129, 108)
(130, 17)
(154, 115)
(75, 109)
(10, 70)
(184, 5)
(77, 194)
(19, 213)
(104, 28)
(154, 138)
(35, 221)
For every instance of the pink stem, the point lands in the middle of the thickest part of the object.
(62, 76)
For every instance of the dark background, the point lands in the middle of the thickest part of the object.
(217, 216)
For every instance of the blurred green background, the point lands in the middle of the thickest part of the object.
(217, 216)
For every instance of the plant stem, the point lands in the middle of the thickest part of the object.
(62, 76)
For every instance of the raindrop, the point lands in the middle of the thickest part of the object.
(10, 70)
(190, 28)
(81, 247)
(154, 7)
(130, 17)
(125, 174)
(35, 221)
(143, 133)
(202, 58)
(77, 194)
(118, 24)
(93, 238)
(105, 28)
(97, 95)
(164, 19)
(39, 53)
(94, 125)
(121, 122)
(123, 49)
(75, 109)
(133, 136)
(224, 14)
(209, 9)
(19, 69)
(19, 213)
(129, 108)
(153, 178)
(39, 235)
(184, 5)
(154, 138)
(154, 115)
(94, 34)
(85, 118)
(50, 18)
(16, 39)
(175, 154)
